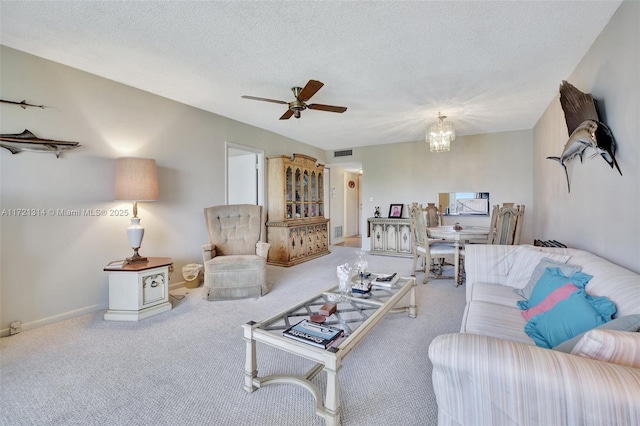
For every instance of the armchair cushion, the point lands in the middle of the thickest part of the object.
(234, 229)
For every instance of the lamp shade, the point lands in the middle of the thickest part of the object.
(136, 179)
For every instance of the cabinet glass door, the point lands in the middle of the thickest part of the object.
(299, 193)
(314, 186)
(288, 188)
(306, 190)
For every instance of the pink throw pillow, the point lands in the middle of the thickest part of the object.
(550, 301)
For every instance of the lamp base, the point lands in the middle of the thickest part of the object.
(136, 258)
(135, 233)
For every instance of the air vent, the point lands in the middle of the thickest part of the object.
(337, 232)
(343, 153)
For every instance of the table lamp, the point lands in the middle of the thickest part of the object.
(136, 180)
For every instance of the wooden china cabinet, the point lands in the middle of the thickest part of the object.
(296, 227)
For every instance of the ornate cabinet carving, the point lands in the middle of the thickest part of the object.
(390, 236)
(296, 228)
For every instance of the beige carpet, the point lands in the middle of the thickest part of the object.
(186, 366)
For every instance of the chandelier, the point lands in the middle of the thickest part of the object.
(440, 134)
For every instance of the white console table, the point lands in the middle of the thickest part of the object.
(140, 290)
(391, 237)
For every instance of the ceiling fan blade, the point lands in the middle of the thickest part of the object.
(254, 98)
(330, 108)
(310, 89)
(287, 115)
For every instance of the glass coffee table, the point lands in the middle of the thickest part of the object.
(356, 314)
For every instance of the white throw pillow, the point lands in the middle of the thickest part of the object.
(617, 347)
(526, 261)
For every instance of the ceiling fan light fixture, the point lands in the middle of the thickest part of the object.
(301, 95)
(440, 134)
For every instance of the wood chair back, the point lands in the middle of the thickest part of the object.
(418, 225)
(433, 215)
(506, 224)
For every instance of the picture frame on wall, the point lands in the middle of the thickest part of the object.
(395, 211)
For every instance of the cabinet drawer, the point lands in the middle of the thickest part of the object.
(153, 287)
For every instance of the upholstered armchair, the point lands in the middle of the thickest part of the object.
(235, 258)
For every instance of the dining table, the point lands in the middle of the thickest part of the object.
(466, 234)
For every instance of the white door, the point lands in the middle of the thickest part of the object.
(352, 204)
(245, 181)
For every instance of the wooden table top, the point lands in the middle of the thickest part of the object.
(153, 262)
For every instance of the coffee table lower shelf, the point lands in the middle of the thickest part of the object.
(371, 311)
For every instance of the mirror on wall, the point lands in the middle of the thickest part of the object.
(464, 203)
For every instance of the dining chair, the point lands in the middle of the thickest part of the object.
(428, 249)
(434, 218)
(433, 215)
(506, 224)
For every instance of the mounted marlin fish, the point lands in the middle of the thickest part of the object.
(27, 141)
(22, 104)
(585, 128)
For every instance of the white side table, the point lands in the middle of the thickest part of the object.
(140, 290)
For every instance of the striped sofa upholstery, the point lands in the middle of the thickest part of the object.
(491, 373)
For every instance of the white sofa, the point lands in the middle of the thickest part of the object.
(491, 373)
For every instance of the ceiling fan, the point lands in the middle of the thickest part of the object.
(302, 95)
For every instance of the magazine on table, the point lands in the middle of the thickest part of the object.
(386, 280)
(116, 264)
(313, 333)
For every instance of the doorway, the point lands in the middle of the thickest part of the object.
(352, 204)
(244, 175)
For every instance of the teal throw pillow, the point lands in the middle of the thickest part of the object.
(567, 271)
(576, 314)
(552, 279)
(626, 323)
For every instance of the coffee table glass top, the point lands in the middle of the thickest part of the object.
(352, 311)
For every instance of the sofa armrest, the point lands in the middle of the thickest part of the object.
(262, 249)
(208, 252)
(486, 380)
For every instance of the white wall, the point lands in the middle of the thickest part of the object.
(498, 163)
(51, 266)
(601, 214)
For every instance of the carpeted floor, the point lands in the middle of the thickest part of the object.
(186, 366)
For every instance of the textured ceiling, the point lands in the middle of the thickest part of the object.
(488, 66)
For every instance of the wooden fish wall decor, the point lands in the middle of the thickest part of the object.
(585, 129)
(22, 104)
(27, 141)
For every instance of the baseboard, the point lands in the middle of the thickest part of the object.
(177, 285)
(71, 314)
(55, 318)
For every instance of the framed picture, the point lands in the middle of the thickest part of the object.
(395, 210)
